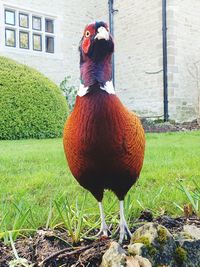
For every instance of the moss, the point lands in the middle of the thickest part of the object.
(162, 236)
(32, 106)
(145, 240)
(180, 255)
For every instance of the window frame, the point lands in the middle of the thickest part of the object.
(12, 11)
(13, 30)
(25, 14)
(28, 48)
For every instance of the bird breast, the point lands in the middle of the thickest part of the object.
(102, 134)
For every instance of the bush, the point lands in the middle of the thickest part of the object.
(31, 106)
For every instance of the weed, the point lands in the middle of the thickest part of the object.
(72, 217)
(192, 196)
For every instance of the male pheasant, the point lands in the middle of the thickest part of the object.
(104, 143)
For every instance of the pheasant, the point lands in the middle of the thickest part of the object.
(104, 143)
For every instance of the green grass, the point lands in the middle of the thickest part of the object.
(34, 176)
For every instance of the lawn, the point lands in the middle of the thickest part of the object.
(35, 180)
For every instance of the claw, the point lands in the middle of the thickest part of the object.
(124, 231)
(104, 231)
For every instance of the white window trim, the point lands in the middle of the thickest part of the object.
(30, 12)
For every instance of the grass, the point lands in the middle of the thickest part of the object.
(35, 181)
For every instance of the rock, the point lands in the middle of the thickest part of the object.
(192, 253)
(188, 247)
(153, 245)
(115, 256)
(131, 261)
(158, 244)
(143, 262)
(193, 231)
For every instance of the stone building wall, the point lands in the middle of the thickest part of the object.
(138, 50)
(138, 55)
(184, 59)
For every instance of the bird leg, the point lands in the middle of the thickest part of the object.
(104, 230)
(123, 227)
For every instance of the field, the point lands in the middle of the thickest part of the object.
(37, 189)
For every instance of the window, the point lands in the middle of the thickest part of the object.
(37, 42)
(29, 30)
(37, 23)
(9, 17)
(24, 40)
(10, 37)
(23, 20)
(49, 25)
(49, 44)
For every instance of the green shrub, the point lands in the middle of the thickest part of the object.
(31, 106)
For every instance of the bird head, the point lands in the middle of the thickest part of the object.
(96, 42)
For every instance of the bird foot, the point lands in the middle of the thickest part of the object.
(123, 231)
(104, 231)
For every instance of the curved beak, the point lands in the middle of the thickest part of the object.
(102, 33)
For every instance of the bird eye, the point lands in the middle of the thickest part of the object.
(87, 34)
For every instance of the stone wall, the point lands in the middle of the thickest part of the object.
(184, 59)
(138, 55)
(138, 50)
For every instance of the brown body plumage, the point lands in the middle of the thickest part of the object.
(104, 144)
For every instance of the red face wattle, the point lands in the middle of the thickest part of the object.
(88, 33)
(91, 34)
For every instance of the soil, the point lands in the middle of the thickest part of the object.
(158, 126)
(54, 248)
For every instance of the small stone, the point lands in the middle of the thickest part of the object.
(193, 231)
(115, 256)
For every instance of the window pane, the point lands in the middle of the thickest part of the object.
(49, 44)
(10, 37)
(49, 25)
(37, 42)
(10, 17)
(23, 20)
(37, 23)
(24, 40)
